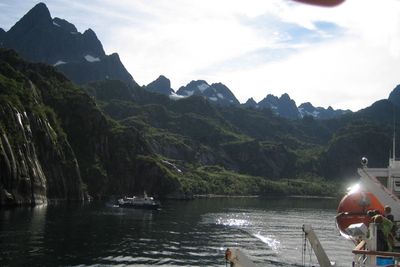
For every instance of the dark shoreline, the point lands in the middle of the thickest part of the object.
(196, 196)
(224, 196)
(261, 196)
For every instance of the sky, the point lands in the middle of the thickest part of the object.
(346, 57)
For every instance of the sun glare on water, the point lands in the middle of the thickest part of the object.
(232, 222)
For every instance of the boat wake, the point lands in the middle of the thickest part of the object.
(273, 243)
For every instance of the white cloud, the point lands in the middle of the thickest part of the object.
(208, 39)
(351, 71)
(347, 74)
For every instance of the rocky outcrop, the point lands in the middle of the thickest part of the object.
(283, 106)
(216, 93)
(161, 85)
(250, 103)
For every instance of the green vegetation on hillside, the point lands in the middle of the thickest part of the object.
(111, 139)
(250, 151)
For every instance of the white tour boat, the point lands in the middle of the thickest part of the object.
(136, 202)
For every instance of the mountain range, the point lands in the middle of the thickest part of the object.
(220, 94)
(80, 56)
(75, 125)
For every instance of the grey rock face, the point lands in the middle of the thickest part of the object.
(216, 93)
(36, 163)
(283, 106)
(161, 85)
(394, 96)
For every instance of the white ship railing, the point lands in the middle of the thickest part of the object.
(367, 258)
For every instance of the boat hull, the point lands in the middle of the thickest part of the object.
(353, 209)
(139, 206)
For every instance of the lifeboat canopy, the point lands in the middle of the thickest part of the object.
(353, 209)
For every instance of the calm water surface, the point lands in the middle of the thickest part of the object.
(192, 233)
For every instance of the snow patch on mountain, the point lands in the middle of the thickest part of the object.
(60, 62)
(174, 96)
(189, 93)
(90, 58)
(202, 87)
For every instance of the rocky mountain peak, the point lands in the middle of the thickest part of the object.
(221, 94)
(285, 97)
(272, 98)
(250, 103)
(217, 93)
(307, 106)
(92, 43)
(38, 16)
(161, 85)
(287, 107)
(193, 88)
(307, 109)
(200, 84)
(221, 88)
(394, 96)
(283, 106)
(89, 33)
(163, 80)
(270, 101)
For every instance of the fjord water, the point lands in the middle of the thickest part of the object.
(182, 233)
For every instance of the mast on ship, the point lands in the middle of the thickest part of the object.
(393, 143)
(392, 161)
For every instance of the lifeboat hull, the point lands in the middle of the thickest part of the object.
(353, 209)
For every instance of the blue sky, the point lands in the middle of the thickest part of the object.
(345, 57)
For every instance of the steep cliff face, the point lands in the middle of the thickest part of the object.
(23, 179)
(36, 161)
(56, 143)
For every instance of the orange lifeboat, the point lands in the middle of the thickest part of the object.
(353, 209)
